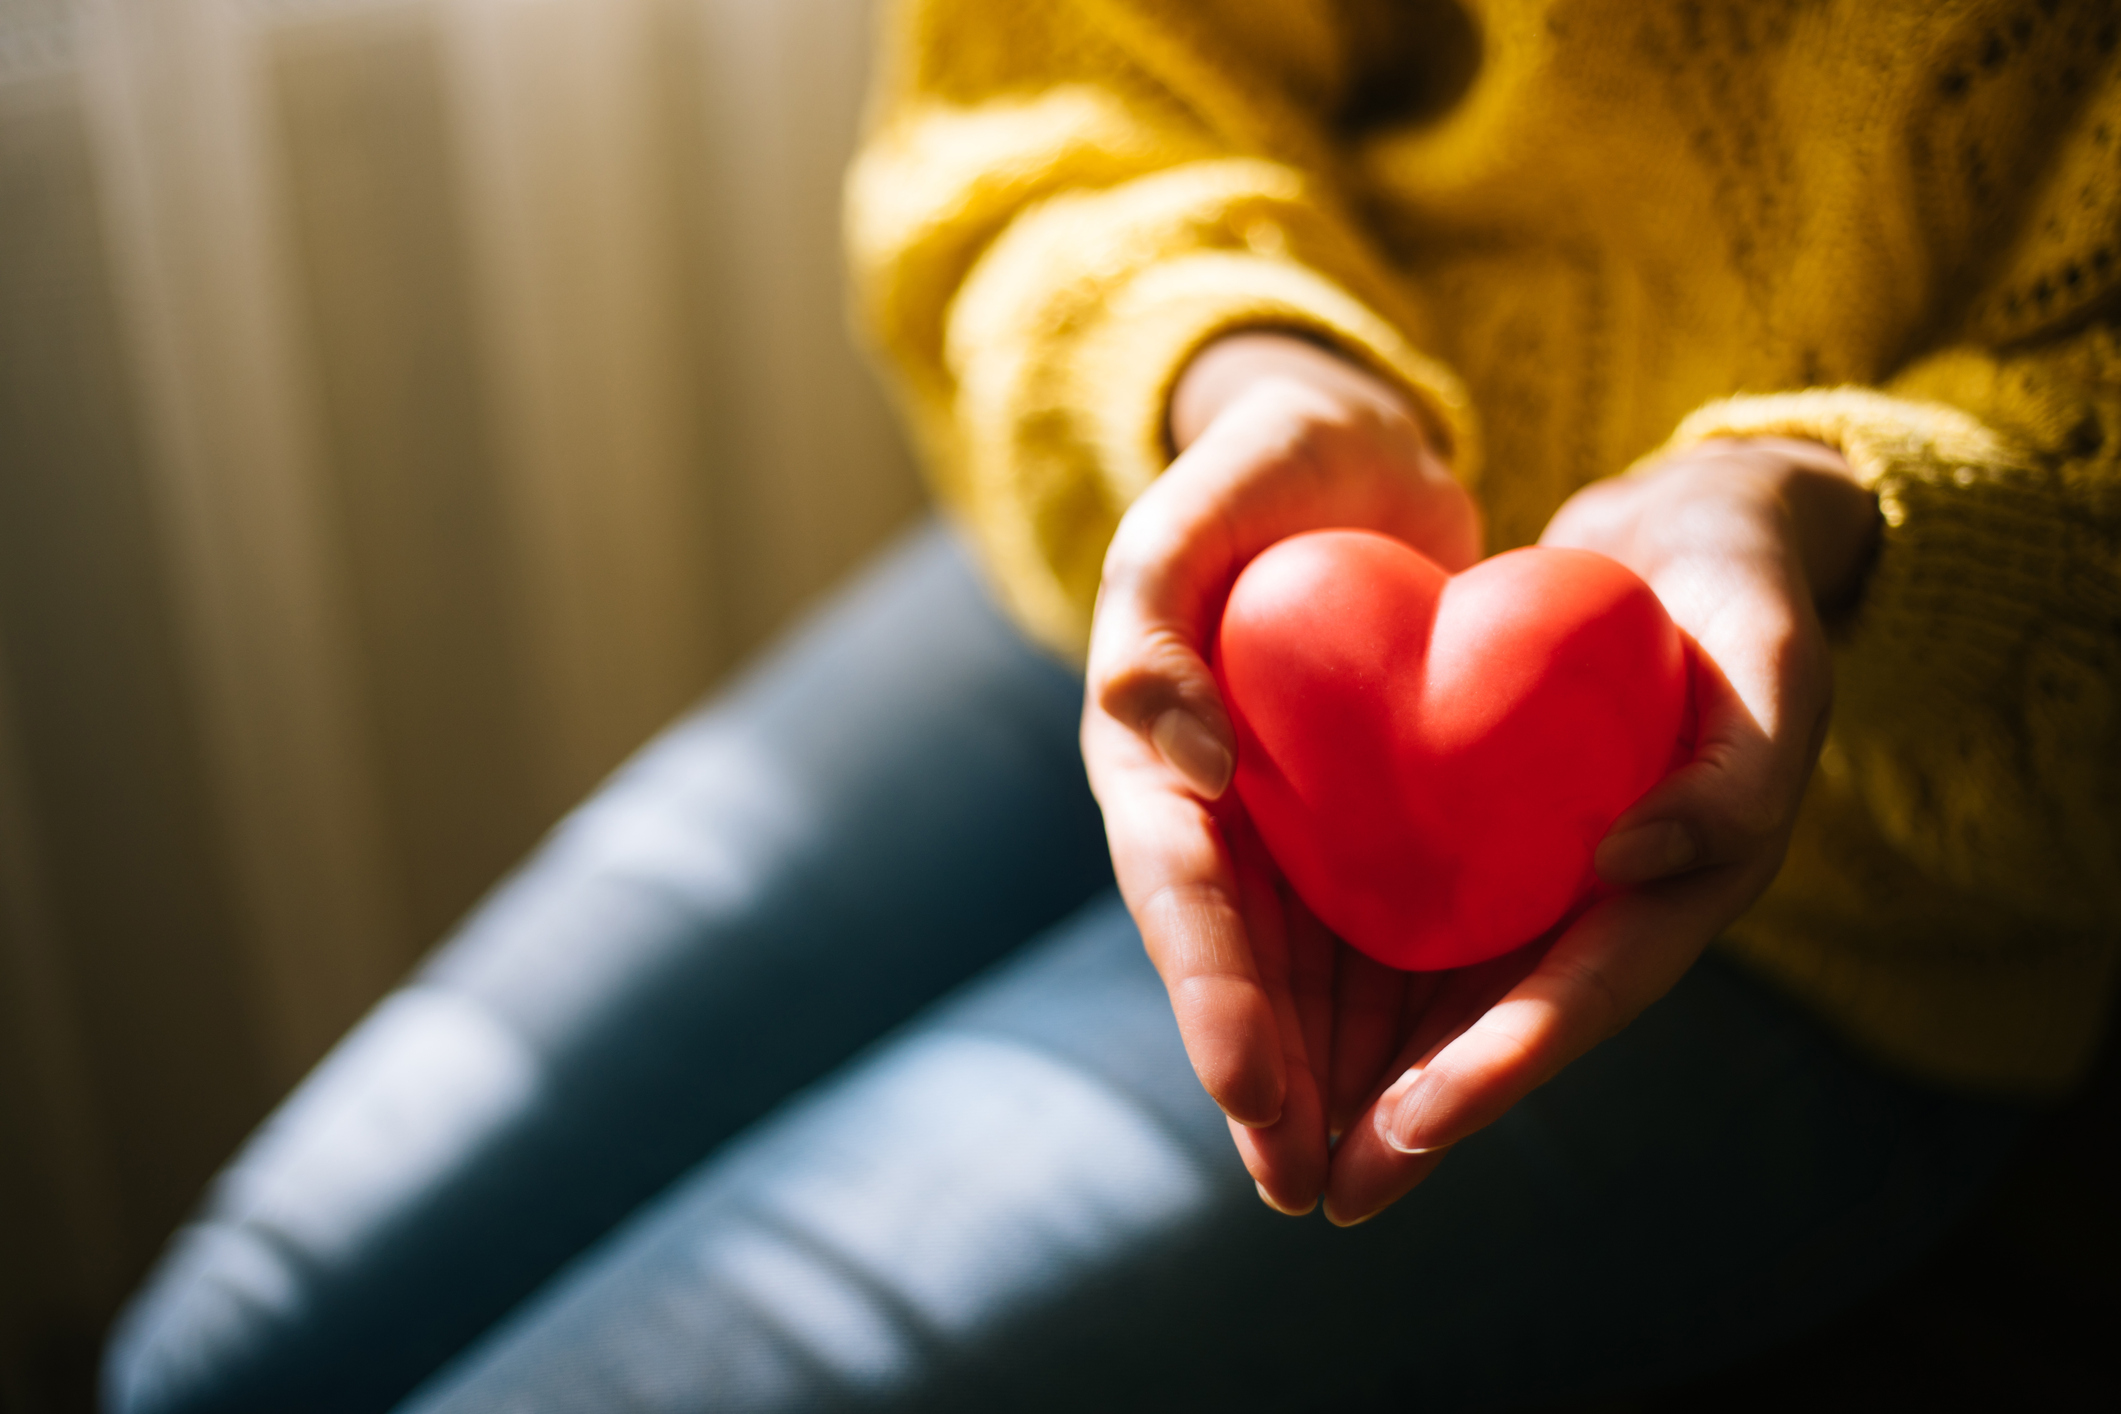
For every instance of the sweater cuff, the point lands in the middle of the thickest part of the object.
(1966, 562)
(1902, 914)
(1113, 387)
(1154, 325)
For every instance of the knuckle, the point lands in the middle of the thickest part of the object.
(1159, 669)
(1140, 541)
(1303, 444)
(1594, 518)
(1518, 1052)
(1315, 434)
(1740, 800)
(1297, 404)
(1594, 983)
(1749, 815)
(1195, 919)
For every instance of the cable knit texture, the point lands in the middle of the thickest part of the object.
(1574, 231)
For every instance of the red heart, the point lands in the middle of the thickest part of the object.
(1431, 759)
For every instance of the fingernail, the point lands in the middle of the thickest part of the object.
(1190, 749)
(1399, 1117)
(1268, 1199)
(1646, 852)
(1338, 1220)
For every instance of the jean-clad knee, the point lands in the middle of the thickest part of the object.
(883, 806)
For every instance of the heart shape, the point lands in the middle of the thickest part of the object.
(1431, 759)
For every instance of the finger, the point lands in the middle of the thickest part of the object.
(1434, 1007)
(1314, 957)
(1367, 1174)
(1738, 795)
(1300, 1165)
(1288, 1159)
(1180, 883)
(1623, 954)
(1259, 474)
(1368, 997)
(1412, 1037)
(1368, 1178)
(1293, 955)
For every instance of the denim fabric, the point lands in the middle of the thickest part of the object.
(879, 810)
(1023, 1201)
(1019, 1198)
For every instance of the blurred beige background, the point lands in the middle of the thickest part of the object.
(405, 407)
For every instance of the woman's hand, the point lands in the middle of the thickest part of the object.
(1275, 436)
(1747, 543)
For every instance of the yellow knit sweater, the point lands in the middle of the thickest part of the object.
(1575, 230)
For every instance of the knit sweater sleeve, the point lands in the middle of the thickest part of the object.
(1057, 205)
(1964, 827)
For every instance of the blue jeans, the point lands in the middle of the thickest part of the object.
(813, 1064)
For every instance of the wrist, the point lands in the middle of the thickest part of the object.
(1836, 521)
(1228, 368)
(1833, 518)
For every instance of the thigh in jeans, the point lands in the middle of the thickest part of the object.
(882, 807)
(1023, 1201)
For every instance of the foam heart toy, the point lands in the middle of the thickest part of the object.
(1431, 759)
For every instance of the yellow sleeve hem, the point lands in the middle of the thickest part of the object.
(1966, 564)
(1960, 628)
(1101, 406)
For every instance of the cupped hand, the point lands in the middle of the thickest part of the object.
(1748, 543)
(1275, 436)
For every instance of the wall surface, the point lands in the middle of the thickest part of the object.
(405, 407)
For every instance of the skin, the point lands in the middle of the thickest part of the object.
(1296, 1036)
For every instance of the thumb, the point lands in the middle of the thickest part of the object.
(1165, 692)
(1165, 574)
(1737, 799)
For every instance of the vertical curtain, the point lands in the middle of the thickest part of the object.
(405, 407)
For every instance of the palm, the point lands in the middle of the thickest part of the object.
(1291, 1033)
